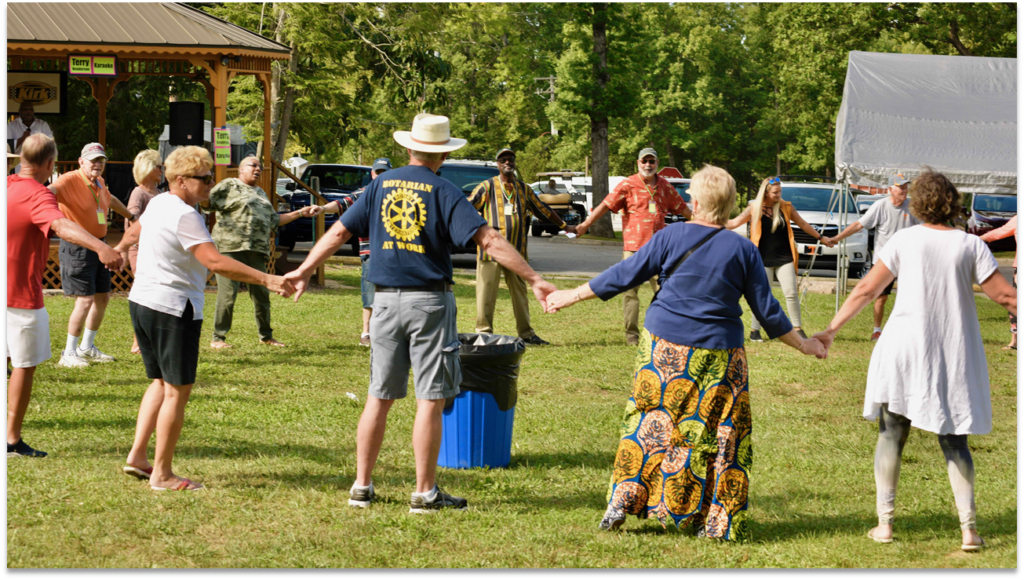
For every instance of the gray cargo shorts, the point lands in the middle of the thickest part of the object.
(414, 329)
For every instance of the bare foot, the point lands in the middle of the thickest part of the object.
(272, 342)
(220, 344)
(139, 462)
(881, 534)
(972, 542)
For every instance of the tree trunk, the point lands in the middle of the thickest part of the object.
(286, 108)
(954, 39)
(599, 122)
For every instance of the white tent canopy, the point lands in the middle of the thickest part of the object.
(955, 114)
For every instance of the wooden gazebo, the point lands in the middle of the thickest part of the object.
(166, 39)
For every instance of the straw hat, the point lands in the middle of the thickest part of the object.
(430, 134)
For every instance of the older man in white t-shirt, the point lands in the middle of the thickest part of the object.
(886, 217)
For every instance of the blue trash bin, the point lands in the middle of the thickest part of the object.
(477, 424)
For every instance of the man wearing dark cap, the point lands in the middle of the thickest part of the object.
(380, 165)
(507, 204)
(887, 218)
(644, 199)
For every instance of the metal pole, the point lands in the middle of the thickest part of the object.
(314, 182)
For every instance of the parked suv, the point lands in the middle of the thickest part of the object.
(682, 185)
(336, 181)
(466, 174)
(812, 201)
(990, 211)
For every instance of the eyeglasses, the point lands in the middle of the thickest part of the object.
(255, 166)
(774, 181)
(207, 179)
(648, 161)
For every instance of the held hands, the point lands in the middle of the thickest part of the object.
(311, 210)
(825, 337)
(829, 242)
(561, 299)
(280, 285)
(112, 259)
(571, 230)
(581, 229)
(298, 281)
(542, 290)
(812, 346)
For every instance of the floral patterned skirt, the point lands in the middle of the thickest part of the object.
(685, 451)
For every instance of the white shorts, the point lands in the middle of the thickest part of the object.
(28, 337)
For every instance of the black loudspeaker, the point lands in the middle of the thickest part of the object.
(186, 123)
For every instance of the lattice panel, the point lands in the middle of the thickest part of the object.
(51, 277)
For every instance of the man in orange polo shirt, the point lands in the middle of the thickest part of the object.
(644, 199)
(83, 197)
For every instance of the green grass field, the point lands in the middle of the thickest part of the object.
(271, 433)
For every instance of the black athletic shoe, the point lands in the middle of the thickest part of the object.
(21, 449)
(439, 501)
(755, 336)
(537, 341)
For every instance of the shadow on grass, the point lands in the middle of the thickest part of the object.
(599, 460)
(233, 449)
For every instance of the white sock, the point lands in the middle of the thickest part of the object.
(88, 337)
(878, 329)
(71, 345)
(355, 487)
(428, 495)
(365, 335)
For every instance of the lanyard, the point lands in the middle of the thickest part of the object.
(91, 190)
(508, 196)
(652, 206)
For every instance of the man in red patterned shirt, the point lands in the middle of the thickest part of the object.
(644, 199)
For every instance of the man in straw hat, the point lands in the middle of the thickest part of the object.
(411, 216)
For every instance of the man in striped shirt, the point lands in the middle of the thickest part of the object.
(507, 204)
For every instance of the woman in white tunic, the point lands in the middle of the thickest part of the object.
(928, 369)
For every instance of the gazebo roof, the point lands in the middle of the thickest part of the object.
(142, 26)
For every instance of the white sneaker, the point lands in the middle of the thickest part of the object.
(72, 361)
(94, 354)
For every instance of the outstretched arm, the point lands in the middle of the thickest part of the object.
(810, 230)
(999, 290)
(864, 293)
(208, 256)
(492, 242)
(333, 239)
(739, 220)
(595, 215)
(74, 233)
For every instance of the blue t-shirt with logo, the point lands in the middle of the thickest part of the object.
(411, 216)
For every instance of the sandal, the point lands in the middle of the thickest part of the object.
(138, 472)
(973, 547)
(183, 485)
(877, 539)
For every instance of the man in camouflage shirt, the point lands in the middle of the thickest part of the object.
(246, 221)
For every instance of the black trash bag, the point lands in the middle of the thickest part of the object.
(490, 364)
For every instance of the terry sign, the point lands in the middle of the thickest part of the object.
(85, 65)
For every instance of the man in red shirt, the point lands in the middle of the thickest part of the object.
(32, 217)
(644, 199)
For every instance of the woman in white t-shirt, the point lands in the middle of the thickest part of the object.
(928, 369)
(166, 305)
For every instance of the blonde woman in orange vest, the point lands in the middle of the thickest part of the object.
(773, 236)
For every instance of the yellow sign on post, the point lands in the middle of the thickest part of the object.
(92, 66)
(222, 146)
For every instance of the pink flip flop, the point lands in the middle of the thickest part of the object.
(183, 485)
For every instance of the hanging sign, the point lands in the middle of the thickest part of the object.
(222, 146)
(47, 91)
(85, 65)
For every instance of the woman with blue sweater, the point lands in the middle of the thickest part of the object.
(685, 450)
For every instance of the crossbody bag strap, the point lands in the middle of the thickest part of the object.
(682, 259)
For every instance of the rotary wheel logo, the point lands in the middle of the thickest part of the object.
(404, 214)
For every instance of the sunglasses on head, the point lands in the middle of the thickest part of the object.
(207, 179)
(774, 181)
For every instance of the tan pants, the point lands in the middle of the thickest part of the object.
(631, 304)
(488, 277)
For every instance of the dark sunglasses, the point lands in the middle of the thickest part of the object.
(507, 160)
(774, 181)
(207, 179)
(649, 161)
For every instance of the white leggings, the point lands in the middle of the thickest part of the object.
(787, 279)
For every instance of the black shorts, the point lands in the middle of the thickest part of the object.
(888, 289)
(169, 344)
(81, 272)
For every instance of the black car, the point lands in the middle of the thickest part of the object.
(466, 175)
(991, 211)
(336, 181)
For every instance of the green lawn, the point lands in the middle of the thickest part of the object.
(271, 433)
